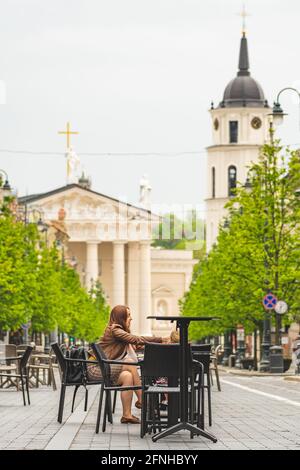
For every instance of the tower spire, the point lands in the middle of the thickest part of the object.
(244, 57)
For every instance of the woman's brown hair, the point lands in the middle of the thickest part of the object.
(119, 315)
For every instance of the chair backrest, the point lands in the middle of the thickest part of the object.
(73, 371)
(10, 351)
(60, 357)
(25, 358)
(203, 357)
(105, 368)
(201, 347)
(162, 360)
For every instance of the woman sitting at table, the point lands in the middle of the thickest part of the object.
(119, 344)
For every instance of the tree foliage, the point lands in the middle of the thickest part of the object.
(174, 233)
(258, 253)
(37, 286)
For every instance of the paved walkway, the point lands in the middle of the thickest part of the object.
(249, 413)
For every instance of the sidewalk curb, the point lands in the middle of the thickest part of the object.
(247, 373)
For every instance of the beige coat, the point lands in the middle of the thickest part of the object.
(115, 341)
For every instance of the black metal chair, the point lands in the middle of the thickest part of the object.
(107, 386)
(214, 354)
(22, 374)
(204, 357)
(67, 380)
(163, 360)
(214, 358)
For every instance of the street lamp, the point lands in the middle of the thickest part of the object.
(61, 248)
(277, 111)
(226, 223)
(37, 217)
(5, 187)
(227, 347)
(240, 346)
(248, 185)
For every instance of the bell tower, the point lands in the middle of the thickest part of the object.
(240, 126)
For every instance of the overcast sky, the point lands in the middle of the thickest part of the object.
(133, 76)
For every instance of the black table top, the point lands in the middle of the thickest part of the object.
(181, 318)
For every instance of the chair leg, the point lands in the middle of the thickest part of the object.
(211, 377)
(201, 415)
(143, 415)
(109, 410)
(37, 377)
(17, 384)
(191, 407)
(209, 401)
(86, 399)
(74, 395)
(27, 389)
(152, 413)
(115, 401)
(158, 411)
(99, 409)
(23, 390)
(105, 412)
(51, 372)
(61, 403)
(218, 379)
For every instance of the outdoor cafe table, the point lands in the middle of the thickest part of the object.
(183, 325)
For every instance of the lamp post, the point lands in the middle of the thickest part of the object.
(61, 248)
(277, 119)
(227, 334)
(5, 188)
(264, 365)
(277, 113)
(241, 347)
(4, 184)
(227, 348)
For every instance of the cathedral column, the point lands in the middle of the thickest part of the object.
(118, 273)
(92, 263)
(145, 287)
(188, 279)
(133, 285)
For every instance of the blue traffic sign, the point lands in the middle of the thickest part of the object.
(269, 301)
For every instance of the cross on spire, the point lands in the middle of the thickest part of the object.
(68, 132)
(244, 14)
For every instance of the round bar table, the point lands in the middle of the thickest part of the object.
(183, 325)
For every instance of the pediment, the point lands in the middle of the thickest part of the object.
(80, 205)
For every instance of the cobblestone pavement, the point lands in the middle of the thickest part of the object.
(249, 413)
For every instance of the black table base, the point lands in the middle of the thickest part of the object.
(184, 426)
(183, 325)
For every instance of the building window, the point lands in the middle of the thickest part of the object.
(231, 180)
(233, 132)
(213, 182)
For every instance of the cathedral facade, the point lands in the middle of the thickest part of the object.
(110, 241)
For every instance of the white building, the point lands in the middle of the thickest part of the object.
(240, 126)
(111, 242)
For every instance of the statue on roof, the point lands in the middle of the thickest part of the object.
(145, 191)
(73, 166)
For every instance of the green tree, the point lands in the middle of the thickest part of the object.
(18, 262)
(36, 285)
(259, 252)
(174, 233)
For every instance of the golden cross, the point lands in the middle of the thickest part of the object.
(68, 132)
(243, 14)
